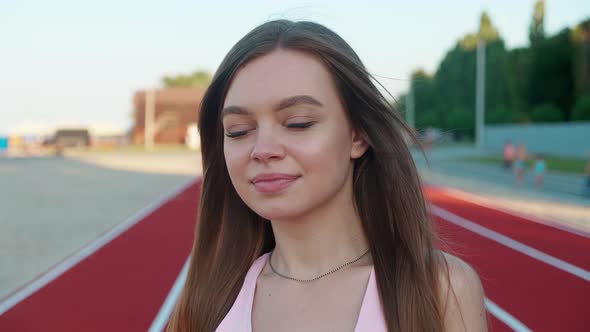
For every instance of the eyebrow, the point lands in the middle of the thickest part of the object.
(283, 104)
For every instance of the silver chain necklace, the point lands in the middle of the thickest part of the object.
(316, 278)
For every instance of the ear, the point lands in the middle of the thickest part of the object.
(359, 144)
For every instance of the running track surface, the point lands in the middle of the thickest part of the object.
(535, 276)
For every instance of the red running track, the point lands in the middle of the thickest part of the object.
(541, 296)
(122, 285)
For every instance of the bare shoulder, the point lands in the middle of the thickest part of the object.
(462, 296)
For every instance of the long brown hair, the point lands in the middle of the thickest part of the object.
(387, 194)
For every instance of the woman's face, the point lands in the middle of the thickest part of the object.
(288, 143)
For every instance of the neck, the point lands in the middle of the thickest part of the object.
(321, 240)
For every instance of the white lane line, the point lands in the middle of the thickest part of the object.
(489, 203)
(163, 315)
(505, 317)
(513, 244)
(86, 251)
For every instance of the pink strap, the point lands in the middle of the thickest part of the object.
(371, 316)
(238, 317)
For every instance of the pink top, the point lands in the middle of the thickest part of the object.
(509, 151)
(239, 317)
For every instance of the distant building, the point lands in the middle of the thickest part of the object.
(72, 138)
(175, 110)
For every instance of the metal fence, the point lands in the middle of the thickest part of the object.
(560, 139)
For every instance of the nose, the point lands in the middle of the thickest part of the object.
(267, 146)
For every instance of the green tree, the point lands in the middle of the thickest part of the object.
(519, 68)
(499, 81)
(196, 79)
(427, 119)
(551, 73)
(502, 114)
(462, 123)
(455, 81)
(425, 101)
(581, 40)
(581, 110)
(537, 27)
(487, 31)
(535, 83)
(455, 76)
(547, 112)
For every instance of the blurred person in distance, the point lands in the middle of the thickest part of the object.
(539, 168)
(520, 163)
(508, 153)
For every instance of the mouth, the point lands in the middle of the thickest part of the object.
(270, 183)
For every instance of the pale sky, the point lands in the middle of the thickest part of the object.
(80, 62)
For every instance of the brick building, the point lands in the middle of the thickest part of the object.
(175, 109)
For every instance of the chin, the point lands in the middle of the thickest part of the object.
(278, 211)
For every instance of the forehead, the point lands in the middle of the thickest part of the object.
(280, 74)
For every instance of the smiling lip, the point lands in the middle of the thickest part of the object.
(269, 183)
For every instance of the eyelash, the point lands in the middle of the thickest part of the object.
(300, 125)
(236, 134)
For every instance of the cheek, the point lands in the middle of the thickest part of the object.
(236, 157)
(326, 154)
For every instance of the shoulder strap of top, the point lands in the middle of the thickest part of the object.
(238, 317)
(371, 316)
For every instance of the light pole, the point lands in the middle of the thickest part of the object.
(150, 107)
(410, 116)
(480, 83)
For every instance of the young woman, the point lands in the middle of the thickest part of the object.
(312, 216)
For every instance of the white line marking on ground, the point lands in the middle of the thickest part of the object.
(505, 317)
(513, 244)
(166, 310)
(490, 203)
(86, 251)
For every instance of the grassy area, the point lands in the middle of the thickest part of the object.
(568, 165)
